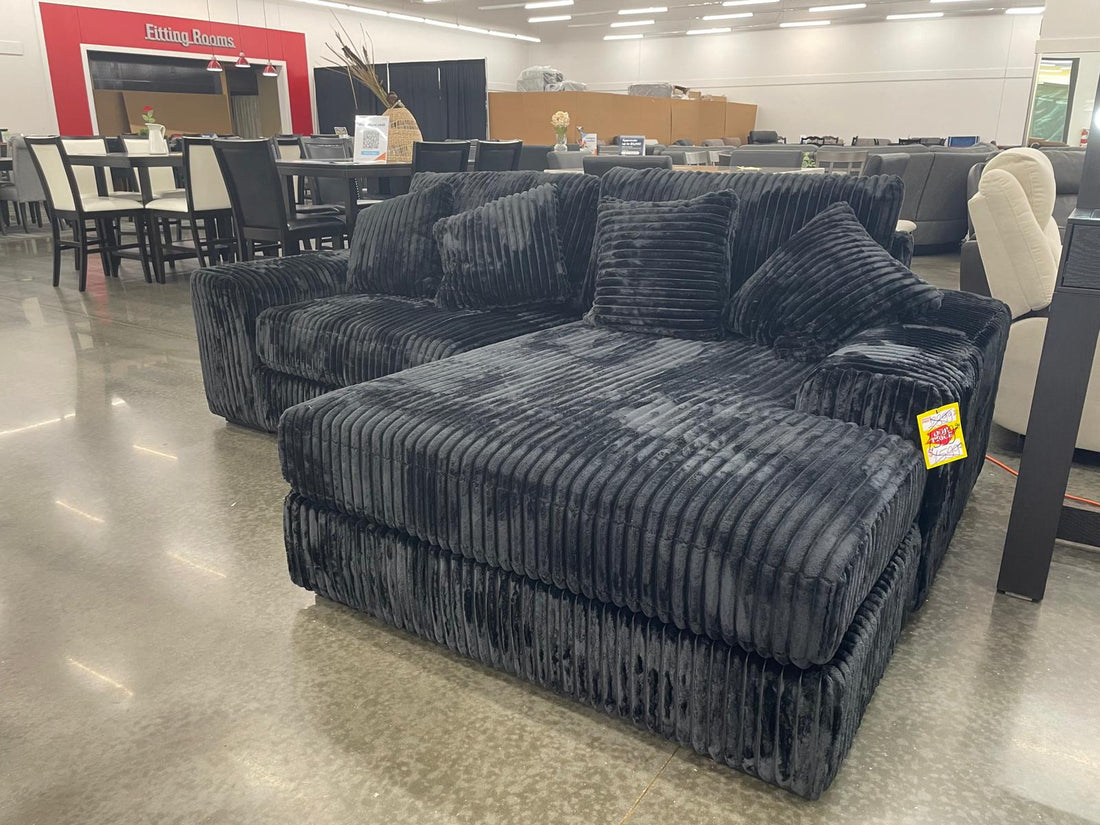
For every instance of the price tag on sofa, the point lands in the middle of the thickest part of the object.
(941, 435)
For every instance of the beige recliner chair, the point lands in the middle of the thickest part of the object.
(1020, 248)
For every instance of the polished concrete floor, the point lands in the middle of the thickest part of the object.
(157, 665)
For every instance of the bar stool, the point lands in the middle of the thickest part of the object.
(68, 203)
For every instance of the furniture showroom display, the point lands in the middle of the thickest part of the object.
(716, 538)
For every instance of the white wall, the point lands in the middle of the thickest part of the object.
(26, 98)
(960, 76)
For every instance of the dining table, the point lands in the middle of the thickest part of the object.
(140, 163)
(345, 170)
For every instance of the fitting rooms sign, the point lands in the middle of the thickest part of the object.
(162, 34)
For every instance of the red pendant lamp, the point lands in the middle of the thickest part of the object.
(269, 69)
(242, 61)
(213, 65)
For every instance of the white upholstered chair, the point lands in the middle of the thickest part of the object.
(1020, 247)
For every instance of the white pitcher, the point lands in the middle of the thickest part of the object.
(157, 144)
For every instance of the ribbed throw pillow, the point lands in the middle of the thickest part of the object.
(393, 251)
(505, 253)
(663, 268)
(829, 281)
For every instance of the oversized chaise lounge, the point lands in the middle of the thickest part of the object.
(711, 538)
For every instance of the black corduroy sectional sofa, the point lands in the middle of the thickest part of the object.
(719, 540)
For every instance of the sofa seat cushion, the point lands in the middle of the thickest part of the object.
(352, 338)
(663, 475)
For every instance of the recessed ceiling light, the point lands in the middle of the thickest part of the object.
(734, 16)
(798, 24)
(710, 31)
(622, 24)
(921, 15)
(548, 4)
(747, 2)
(649, 10)
(553, 18)
(842, 7)
(1026, 10)
(622, 37)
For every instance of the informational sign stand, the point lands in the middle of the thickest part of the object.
(1039, 513)
(589, 142)
(632, 145)
(372, 138)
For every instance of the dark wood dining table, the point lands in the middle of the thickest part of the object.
(124, 160)
(344, 170)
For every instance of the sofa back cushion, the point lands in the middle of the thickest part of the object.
(772, 207)
(392, 249)
(829, 281)
(662, 267)
(577, 196)
(503, 254)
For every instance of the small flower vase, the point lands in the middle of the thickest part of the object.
(560, 145)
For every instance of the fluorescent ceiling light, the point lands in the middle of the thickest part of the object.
(921, 15)
(622, 24)
(622, 37)
(842, 7)
(553, 18)
(952, 1)
(747, 2)
(710, 31)
(408, 18)
(649, 10)
(798, 24)
(548, 4)
(734, 16)
(1026, 10)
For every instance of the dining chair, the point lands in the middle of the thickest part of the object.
(332, 192)
(497, 155)
(259, 206)
(162, 180)
(206, 201)
(440, 156)
(67, 203)
(845, 160)
(289, 147)
(25, 189)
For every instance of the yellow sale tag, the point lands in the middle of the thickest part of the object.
(941, 435)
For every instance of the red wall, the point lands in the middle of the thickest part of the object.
(65, 28)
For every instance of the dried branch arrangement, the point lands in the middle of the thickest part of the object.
(359, 64)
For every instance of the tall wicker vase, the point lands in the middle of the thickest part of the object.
(404, 132)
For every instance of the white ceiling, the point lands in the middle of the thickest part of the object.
(592, 19)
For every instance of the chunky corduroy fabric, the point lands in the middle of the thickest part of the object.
(885, 377)
(771, 207)
(577, 197)
(652, 473)
(228, 299)
(662, 268)
(787, 726)
(823, 285)
(506, 253)
(393, 251)
(349, 339)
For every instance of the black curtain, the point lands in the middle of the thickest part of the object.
(447, 98)
(336, 105)
(462, 87)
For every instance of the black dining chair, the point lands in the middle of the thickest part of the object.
(497, 155)
(259, 206)
(440, 156)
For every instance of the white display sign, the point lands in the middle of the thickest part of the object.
(589, 142)
(632, 144)
(372, 137)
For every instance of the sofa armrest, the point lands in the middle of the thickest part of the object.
(885, 377)
(228, 299)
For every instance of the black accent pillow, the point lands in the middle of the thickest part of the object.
(502, 254)
(827, 282)
(393, 251)
(663, 268)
